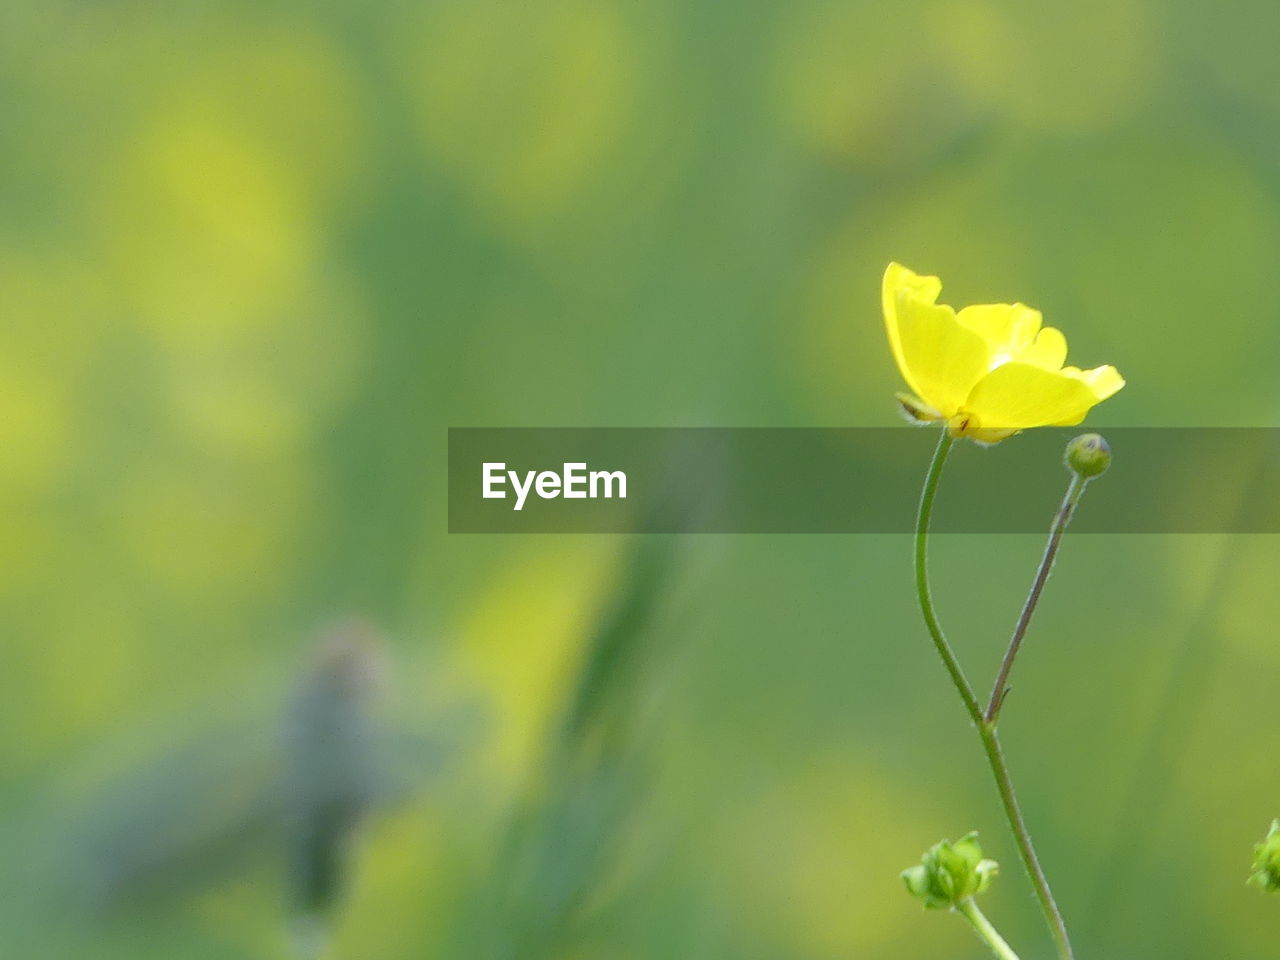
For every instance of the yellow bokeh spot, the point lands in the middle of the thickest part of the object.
(1025, 60)
(209, 227)
(869, 89)
(36, 423)
(204, 531)
(521, 104)
(402, 865)
(818, 849)
(521, 645)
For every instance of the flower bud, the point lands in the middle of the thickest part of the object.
(1266, 861)
(949, 873)
(1088, 455)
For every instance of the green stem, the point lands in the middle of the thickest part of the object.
(1000, 688)
(968, 908)
(949, 659)
(1026, 849)
(987, 731)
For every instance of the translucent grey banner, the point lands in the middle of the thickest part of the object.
(858, 480)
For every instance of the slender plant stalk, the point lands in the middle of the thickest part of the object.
(986, 730)
(968, 908)
(949, 659)
(1060, 520)
(1027, 850)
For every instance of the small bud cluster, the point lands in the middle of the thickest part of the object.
(1266, 861)
(949, 873)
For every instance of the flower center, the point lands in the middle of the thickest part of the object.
(999, 359)
(961, 423)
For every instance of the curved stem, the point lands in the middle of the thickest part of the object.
(968, 908)
(987, 731)
(1000, 689)
(948, 656)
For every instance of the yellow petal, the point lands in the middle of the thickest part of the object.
(897, 277)
(1008, 328)
(1015, 396)
(1048, 352)
(984, 437)
(1104, 381)
(941, 360)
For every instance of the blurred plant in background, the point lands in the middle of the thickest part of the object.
(570, 825)
(1266, 861)
(335, 774)
(236, 800)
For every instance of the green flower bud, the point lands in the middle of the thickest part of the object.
(949, 873)
(1266, 861)
(1088, 455)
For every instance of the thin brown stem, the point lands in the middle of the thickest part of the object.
(1000, 689)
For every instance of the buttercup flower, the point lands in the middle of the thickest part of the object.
(988, 370)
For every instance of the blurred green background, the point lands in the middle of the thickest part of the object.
(255, 258)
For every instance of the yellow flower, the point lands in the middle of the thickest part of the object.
(989, 370)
